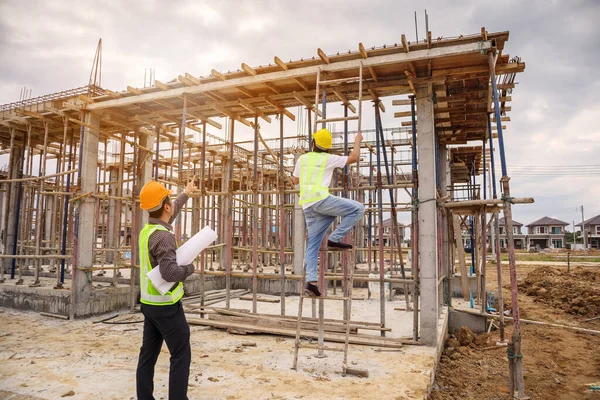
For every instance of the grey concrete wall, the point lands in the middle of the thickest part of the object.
(98, 301)
(192, 284)
(264, 286)
(476, 323)
(456, 287)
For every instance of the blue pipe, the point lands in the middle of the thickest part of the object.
(484, 178)
(472, 231)
(66, 213)
(370, 199)
(438, 181)
(489, 120)
(345, 183)
(498, 123)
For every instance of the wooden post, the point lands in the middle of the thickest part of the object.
(464, 278)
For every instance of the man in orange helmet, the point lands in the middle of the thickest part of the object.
(163, 313)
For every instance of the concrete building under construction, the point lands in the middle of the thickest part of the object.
(78, 159)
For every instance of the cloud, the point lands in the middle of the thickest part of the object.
(49, 46)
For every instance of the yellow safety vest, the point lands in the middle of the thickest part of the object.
(151, 295)
(312, 169)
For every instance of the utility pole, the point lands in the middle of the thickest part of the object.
(583, 232)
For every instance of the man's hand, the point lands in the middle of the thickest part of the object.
(359, 137)
(191, 186)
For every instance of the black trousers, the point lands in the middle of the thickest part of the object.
(166, 323)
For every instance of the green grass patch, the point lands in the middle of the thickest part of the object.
(548, 257)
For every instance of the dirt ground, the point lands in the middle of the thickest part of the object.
(558, 363)
(47, 358)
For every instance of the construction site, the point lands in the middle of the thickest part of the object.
(394, 308)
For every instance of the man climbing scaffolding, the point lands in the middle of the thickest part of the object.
(313, 172)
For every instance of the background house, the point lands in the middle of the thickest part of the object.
(546, 232)
(519, 237)
(592, 230)
(387, 232)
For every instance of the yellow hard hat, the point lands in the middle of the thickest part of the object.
(152, 195)
(322, 139)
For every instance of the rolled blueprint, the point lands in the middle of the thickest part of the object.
(190, 249)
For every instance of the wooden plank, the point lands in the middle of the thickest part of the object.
(373, 73)
(217, 74)
(245, 91)
(192, 78)
(134, 90)
(281, 64)
(464, 280)
(261, 299)
(344, 99)
(185, 81)
(402, 114)
(306, 103)
(329, 336)
(249, 70)
(358, 324)
(362, 50)
(160, 85)
(389, 59)
(362, 373)
(255, 111)
(404, 43)
(272, 87)
(323, 56)
(275, 323)
(403, 102)
(281, 109)
(301, 83)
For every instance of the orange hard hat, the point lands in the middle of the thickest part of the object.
(152, 195)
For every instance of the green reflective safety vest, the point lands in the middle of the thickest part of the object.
(312, 169)
(151, 295)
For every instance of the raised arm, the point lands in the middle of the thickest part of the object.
(355, 155)
(182, 198)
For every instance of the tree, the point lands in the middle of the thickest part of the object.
(573, 237)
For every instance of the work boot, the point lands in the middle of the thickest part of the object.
(311, 290)
(338, 246)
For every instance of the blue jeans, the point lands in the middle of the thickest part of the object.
(318, 217)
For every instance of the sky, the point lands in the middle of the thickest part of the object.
(552, 141)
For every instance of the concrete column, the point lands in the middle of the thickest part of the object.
(145, 176)
(85, 214)
(446, 245)
(112, 222)
(427, 217)
(10, 234)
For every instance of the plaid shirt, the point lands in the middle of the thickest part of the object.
(162, 247)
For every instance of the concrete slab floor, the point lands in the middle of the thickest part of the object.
(47, 358)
